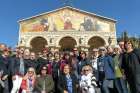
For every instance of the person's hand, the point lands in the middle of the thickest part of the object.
(4, 77)
(77, 85)
(38, 75)
(65, 91)
(124, 77)
(89, 82)
(14, 77)
(83, 83)
(25, 77)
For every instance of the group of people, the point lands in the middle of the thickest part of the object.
(111, 69)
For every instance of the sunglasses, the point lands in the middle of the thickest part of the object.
(128, 43)
(86, 70)
(66, 68)
(102, 49)
(30, 72)
(44, 69)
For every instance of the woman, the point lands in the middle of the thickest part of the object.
(119, 76)
(44, 83)
(88, 80)
(131, 66)
(55, 69)
(65, 60)
(28, 81)
(73, 63)
(84, 61)
(50, 63)
(67, 82)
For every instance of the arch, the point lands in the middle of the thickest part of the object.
(38, 43)
(96, 42)
(67, 43)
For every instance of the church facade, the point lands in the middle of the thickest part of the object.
(66, 28)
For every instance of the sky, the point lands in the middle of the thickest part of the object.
(126, 12)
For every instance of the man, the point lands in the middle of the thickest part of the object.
(105, 71)
(121, 44)
(2, 47)
(131, 66)
(32, 61)
(3, 76)
(76, 54)
(94, 58)
(5, 61)
(18, 70)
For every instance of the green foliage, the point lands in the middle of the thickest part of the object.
(125, 37)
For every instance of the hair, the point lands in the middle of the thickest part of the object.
(33, 69)
(132, 43)
(65, 54)
(42, 68)
(89, 66)
(83, 52)
(68, 66)
(56, 54)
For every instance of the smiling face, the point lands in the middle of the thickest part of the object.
(31, 72)
(109, 49)
(83, 55)
(95, 54)
(102, 52)
(57, 56)
(32, 56)
(86, 70)
(121, 44)
(44, 71)
(117, 50)
(66, 69)
(128, 45)
(26, 53)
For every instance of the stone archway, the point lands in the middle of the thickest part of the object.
(37, 44)
(95, 42)
(67, 43)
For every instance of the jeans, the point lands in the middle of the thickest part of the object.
(107, 84)
(6, 88)
(16, 84)
(121, 85)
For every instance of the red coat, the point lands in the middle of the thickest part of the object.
(24, 84)
(49, 70)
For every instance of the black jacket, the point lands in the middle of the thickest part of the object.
(6, 64)
(3, 68)
(131, 66)
(62, 83)
(15, 65)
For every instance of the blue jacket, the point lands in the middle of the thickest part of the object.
(107, 66)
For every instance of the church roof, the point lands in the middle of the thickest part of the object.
(68, 7)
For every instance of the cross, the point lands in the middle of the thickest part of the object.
(67, 2)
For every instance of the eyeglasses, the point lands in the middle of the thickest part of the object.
(44, 69)
(66, 68)
(86, 70)
(128, 43)
(32, 55)
(30, 72)
(102, 49)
